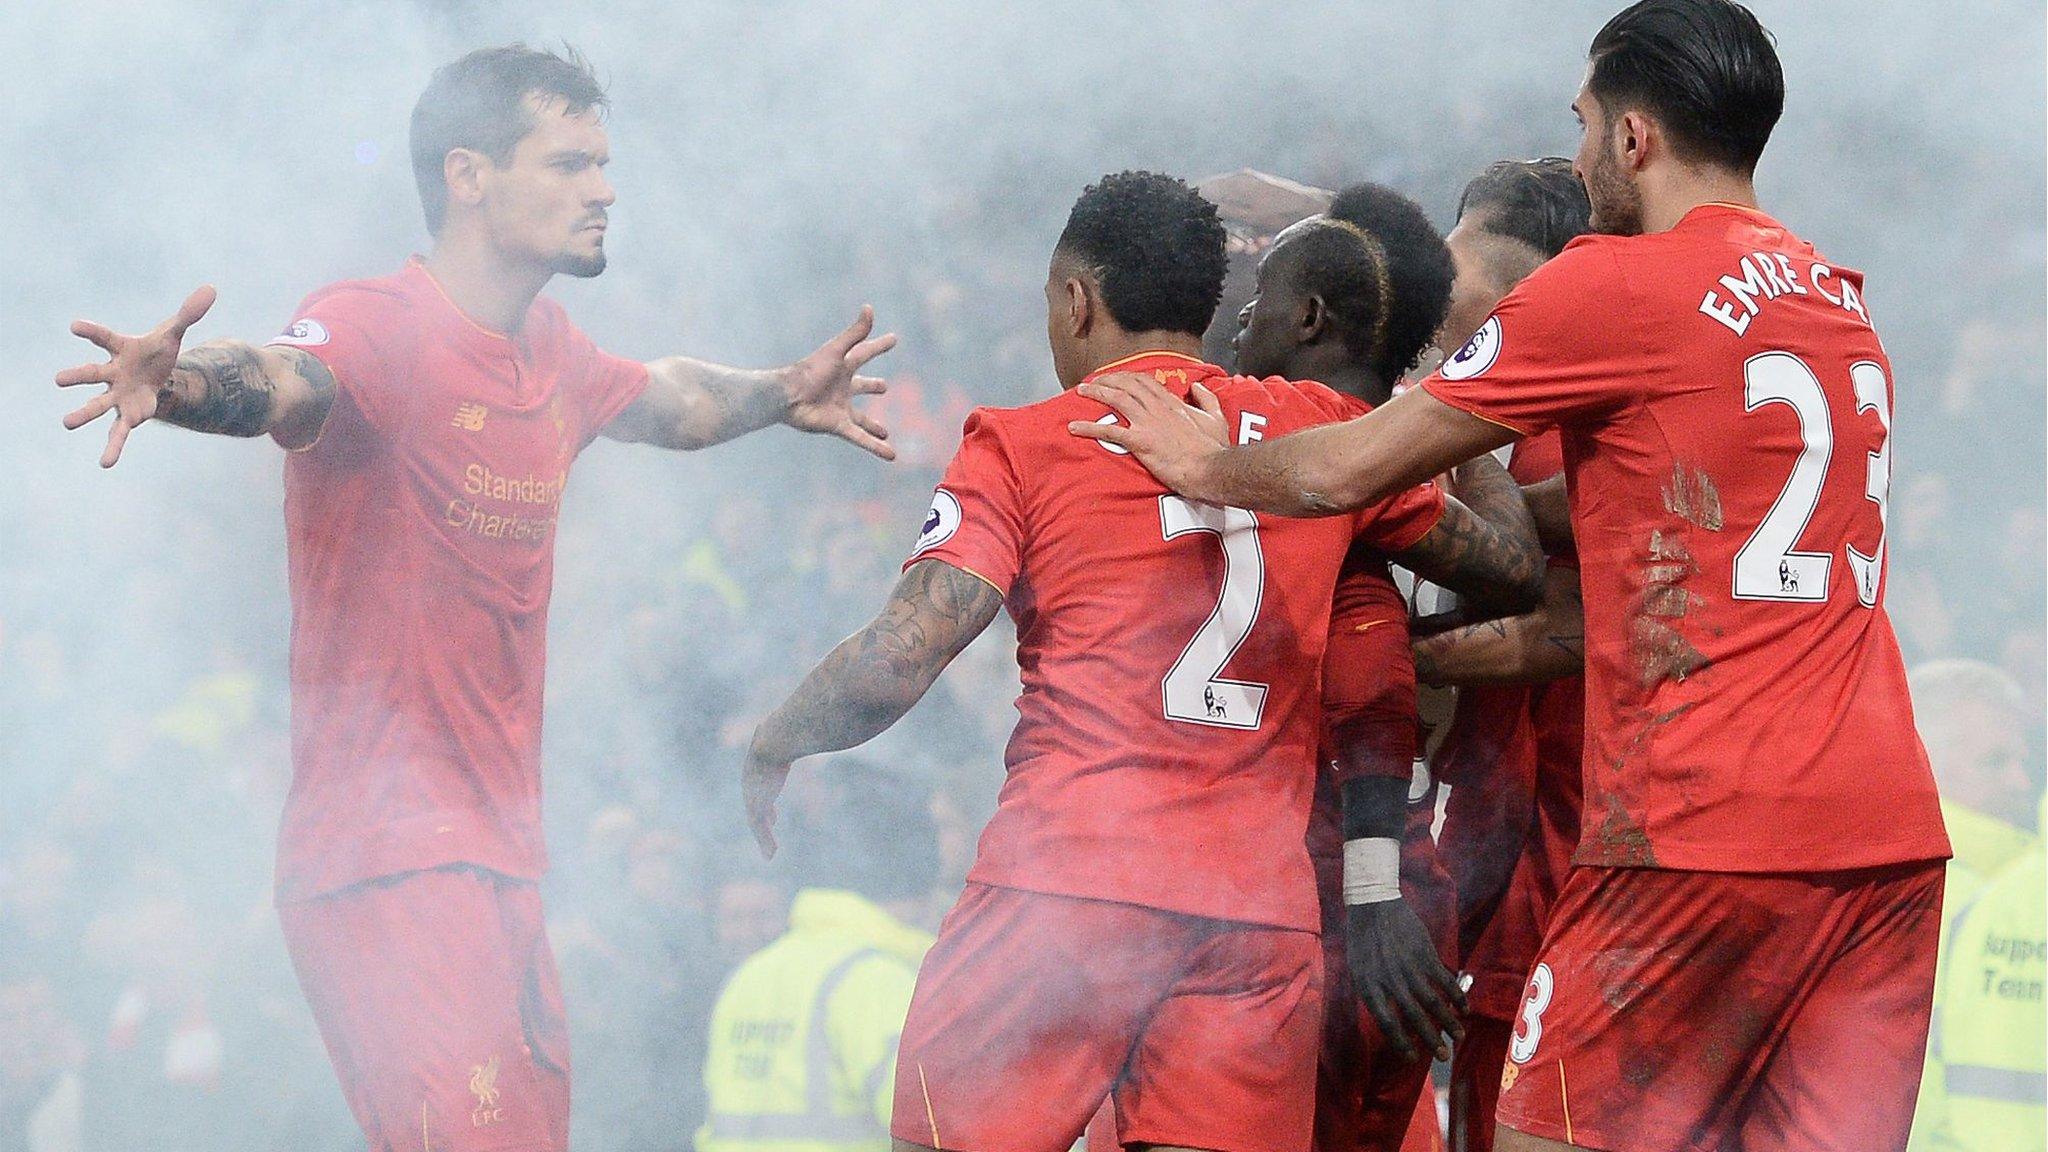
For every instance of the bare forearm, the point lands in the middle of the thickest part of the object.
(877, 674)
(1484, 548)
(233, 388)
(851, 697)
(1340, 467)
(1550, 506)
(1296, 475)
(695, 404)
(1544, 645)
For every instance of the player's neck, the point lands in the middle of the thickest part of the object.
(1666, 202)
(487, 290)
(1124, 345)
(1354, 380)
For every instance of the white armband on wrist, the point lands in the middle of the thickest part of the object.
(1372, 870)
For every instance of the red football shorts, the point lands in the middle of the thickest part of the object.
(437, 997)
(1031, 1009)
(1702, 1010)
(1476, 1065)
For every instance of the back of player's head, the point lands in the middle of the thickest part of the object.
(1411, 270)
(865, 828)
(480, 102)
(1155, 248)
(1705, 69)
(1539, 202)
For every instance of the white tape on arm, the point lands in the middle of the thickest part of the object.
(1372, 870)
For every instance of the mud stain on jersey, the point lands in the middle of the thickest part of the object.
(1693, 497)
(1619, 840)
(1657, 648)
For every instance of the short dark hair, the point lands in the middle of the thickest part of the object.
(1388, 323)
(479, 102)
(1706, 69)
(867, 829)
(1539, 202)
(1156, 248)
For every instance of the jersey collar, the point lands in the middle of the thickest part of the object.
(1168, 368)
(454, 320)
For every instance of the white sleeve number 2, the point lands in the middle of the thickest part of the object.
(1194, 690)
(1769, 567)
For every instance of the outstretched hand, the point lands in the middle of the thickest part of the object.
(761, 784)
(134, 374)
(1170, 437)
(822, 387)
(1401, 981)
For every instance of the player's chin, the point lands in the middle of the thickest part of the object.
(583, 263)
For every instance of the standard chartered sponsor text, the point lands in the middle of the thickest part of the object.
(480, 482)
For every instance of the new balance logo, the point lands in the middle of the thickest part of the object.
(470, 417)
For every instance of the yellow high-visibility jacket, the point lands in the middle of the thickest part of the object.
(1993, 1030)
(803, 1038)
(1983, 846)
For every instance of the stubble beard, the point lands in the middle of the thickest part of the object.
(1617, 203)
(581, 266)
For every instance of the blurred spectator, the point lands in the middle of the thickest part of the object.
(1972, 718)
(40, 1096)
(748, 912)
(1993, 1032)
(803, 1041)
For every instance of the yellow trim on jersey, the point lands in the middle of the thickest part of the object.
(963, 568)
(1113, 365)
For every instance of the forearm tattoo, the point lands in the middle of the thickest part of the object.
(874, 676)
(742, 402)
(219, 388)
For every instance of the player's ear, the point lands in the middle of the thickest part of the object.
(1314, 319)
(463, 169)
(1633, 131)
(1081, 306)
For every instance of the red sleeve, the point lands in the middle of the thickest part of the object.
(976, 521)
(599, 384)
(1558, 349)
(1398, 521)
(365, 338)
(1369, 679)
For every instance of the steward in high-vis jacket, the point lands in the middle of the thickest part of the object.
(1992, 1024)
(803, 1038)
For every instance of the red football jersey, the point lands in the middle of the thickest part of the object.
(1513, 759)
(421, 527)
(1170, 654)
(1725, 407)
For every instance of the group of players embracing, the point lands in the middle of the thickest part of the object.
(1692, 859)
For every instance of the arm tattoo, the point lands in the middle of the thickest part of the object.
(875, 675)
(220, 388)
(742, 402)
(694, 404)
(1544, 645)
(1486, 551)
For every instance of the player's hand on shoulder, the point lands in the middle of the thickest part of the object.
(135, 372)
(822, 387)
(1399, 979)
(1169, 436)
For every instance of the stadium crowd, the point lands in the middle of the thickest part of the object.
(145, 996)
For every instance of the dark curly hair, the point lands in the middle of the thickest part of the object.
(1389, 301)
(1156, 248)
